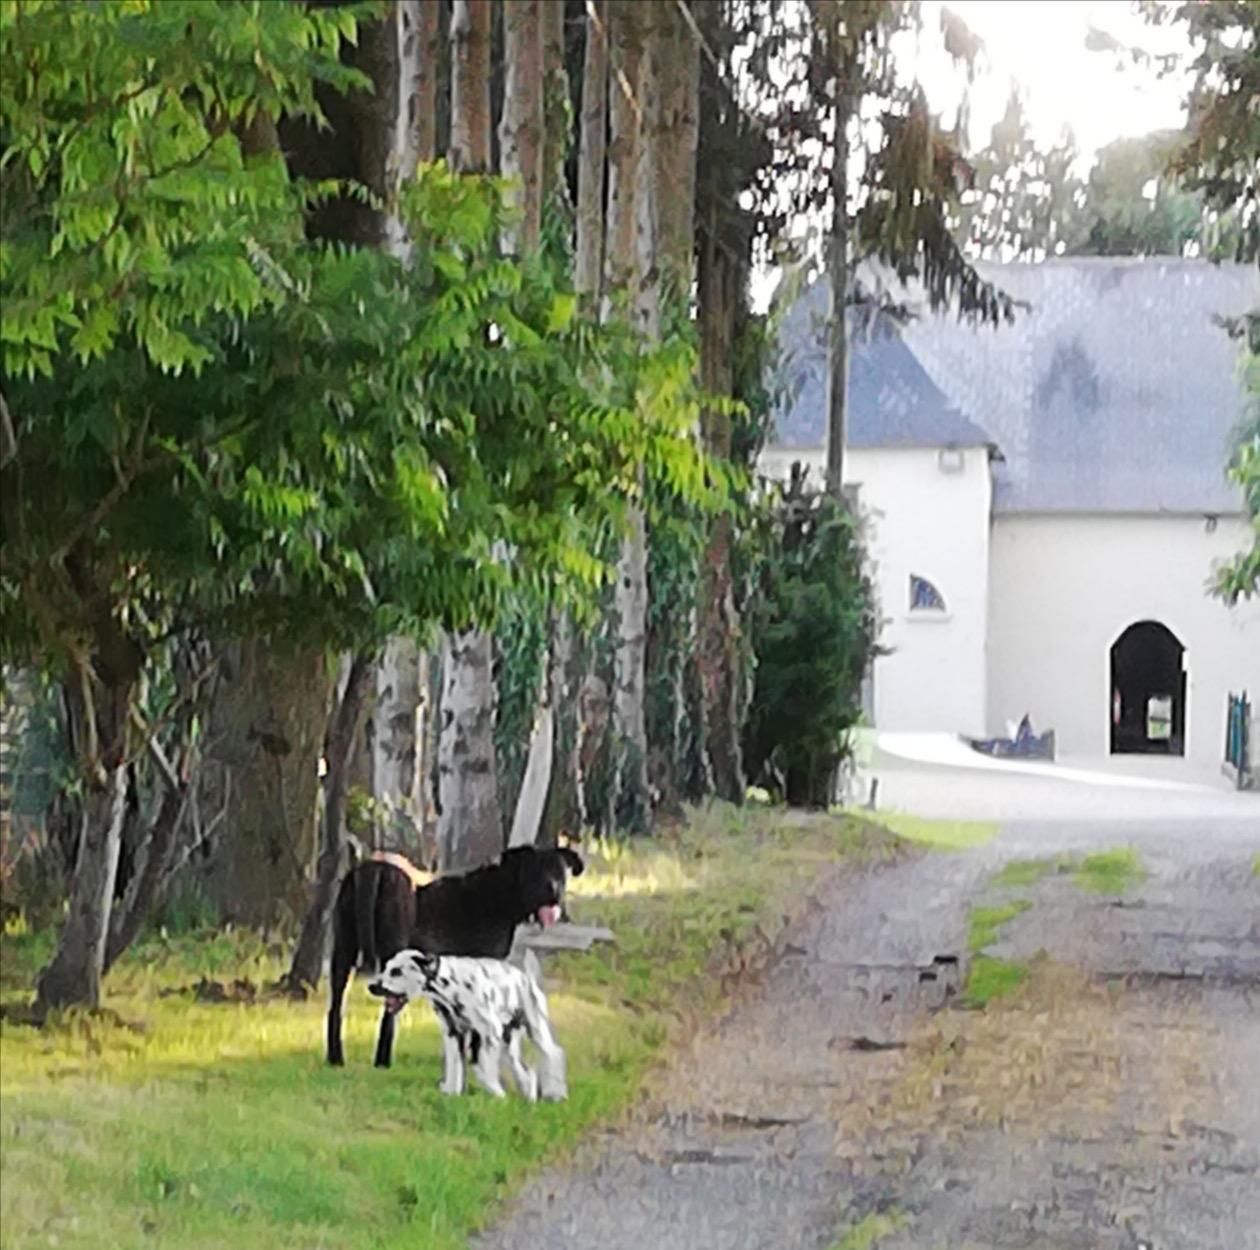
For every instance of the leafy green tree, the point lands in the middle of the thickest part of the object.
(132, 217)
(1026, 201)
(814, 624)
(271, 436)
(1219, 160)
(1240, 577)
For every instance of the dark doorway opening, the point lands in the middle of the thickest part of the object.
(1148, 692)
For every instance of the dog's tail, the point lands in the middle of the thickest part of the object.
(367, 885)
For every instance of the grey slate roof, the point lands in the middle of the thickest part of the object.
(892, 401)
(1115, 392)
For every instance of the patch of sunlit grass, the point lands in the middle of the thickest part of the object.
(985, 923)
(944, 835)
(176, 1123)
(1025, 872)
(1110, 872)
(868, 1232)
(989, 978)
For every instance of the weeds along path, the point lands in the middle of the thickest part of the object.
(1106, 1097)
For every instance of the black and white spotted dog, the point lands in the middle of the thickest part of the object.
(485, 1005)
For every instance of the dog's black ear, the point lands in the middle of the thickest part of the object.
(573, 860)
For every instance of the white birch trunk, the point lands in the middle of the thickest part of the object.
(533, 796)
(630, 260)
(470, 824)
(395, 730)
(397, 740)
(470, 828)
(521, 146)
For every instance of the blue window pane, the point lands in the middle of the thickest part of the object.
(924, 597)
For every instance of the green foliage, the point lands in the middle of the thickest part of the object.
(1240, 577)
(1219, 157)
(131, 210)
(814, 628)
(363, 439)
(1027, 201)
(347, 462)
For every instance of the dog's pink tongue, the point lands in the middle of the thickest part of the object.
(548, 915)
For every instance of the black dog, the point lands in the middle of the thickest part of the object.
(379, 912)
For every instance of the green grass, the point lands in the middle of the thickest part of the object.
(1110, 872)
(1255, 866)
(989, 978)
(1020, 873)
(984, 923)
(870, 1231)
(167, 1122)
(943, 835)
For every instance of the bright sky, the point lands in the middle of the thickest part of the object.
(1040, 46)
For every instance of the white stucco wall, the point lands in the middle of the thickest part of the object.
(935, 524)
(1063, 588)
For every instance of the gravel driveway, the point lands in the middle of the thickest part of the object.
(1113, 1102)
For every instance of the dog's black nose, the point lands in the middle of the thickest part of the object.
(376, 989)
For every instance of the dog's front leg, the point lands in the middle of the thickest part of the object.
(489, 1061)
(452, 1065)
(554, 1085)
(385, 1040)
(526, 1078)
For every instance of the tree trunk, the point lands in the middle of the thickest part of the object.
(271, 714)
(533, 796)
(838, 275)
(625, 90)
(424, 105)
(379, 136)
(470, 827)
(557, 123)
(397, 741)
(718, 650)
(629, 244)
(470, 85)
(667, 244)
(590, 206)
(308, 957)
(565, 807)
(521, 127)
(677, 139)
(396, 129)
(100, 719)
(145, 890)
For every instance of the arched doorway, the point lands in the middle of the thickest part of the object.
(1148, 691)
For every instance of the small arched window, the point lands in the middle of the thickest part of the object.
(924, 597)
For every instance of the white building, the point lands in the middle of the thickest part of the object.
(1047, 502)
